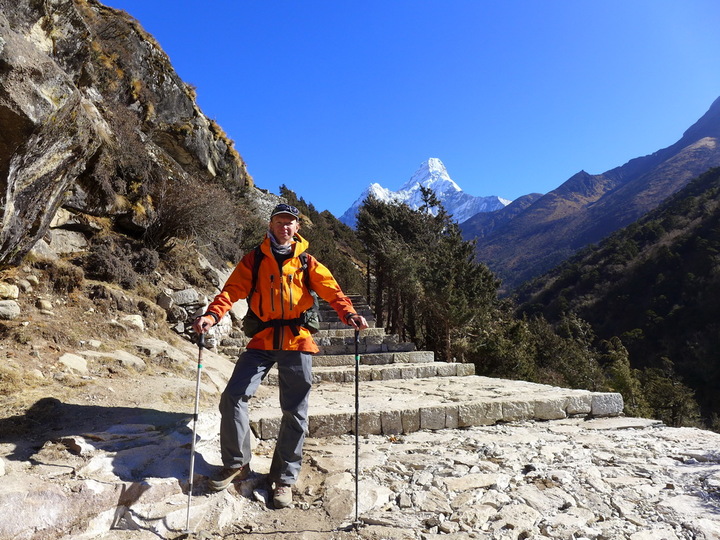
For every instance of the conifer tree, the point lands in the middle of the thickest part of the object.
(623, 378)
(428, 286)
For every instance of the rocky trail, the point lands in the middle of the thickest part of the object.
(443, 454)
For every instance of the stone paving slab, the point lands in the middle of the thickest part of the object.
(404, 406)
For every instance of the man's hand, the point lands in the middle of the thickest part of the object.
(357, 321)
(203, 323)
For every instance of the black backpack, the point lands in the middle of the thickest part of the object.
(310, 319)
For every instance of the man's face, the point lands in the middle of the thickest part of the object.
(283, 227)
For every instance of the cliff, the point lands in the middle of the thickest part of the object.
(96, 121)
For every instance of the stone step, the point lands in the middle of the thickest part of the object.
(337, 324)
(329, 316)
(326, 311)
(383, 372)
(400, 357)
(390, 407)
(348, 359)
(346, 332)
(333, 341)
(327, 336)
(364, 347)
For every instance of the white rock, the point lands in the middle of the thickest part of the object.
(8, 291)
(186, 297)
(473, 481)
(129, 360)
(43, 304)
(63, 241)
(9, 310)
(133, 321)
(74, 363)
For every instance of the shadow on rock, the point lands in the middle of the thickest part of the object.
(129, 443)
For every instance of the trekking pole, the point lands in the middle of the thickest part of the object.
(357, 424)
(200, 344)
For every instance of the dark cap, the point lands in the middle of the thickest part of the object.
(285, 209)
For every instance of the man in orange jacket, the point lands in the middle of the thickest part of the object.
(279, 300)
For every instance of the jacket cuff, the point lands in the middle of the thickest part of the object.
(213, 315)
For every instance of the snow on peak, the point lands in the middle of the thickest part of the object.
(431, 174)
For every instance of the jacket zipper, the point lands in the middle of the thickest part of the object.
(290, 288)
(272, 292)
(280, 330)
(282, 313)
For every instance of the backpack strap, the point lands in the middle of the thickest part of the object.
(255, 270)
(306, 270)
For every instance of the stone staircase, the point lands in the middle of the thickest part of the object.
(404, 390)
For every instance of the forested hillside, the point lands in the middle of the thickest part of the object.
(654, 284)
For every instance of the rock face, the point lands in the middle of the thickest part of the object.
(94, 119)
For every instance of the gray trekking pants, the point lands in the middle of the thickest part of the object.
(295, 379)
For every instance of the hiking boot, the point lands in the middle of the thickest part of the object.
(227, 476)
(282, 496)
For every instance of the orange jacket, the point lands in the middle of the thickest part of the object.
(281, 294)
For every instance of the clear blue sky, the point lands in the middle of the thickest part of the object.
(514, 96)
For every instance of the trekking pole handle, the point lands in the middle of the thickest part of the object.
(201, 341)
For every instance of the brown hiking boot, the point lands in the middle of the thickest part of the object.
(282, 496)
(227, 476)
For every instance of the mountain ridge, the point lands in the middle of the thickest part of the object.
(586, 207)
(63, 478)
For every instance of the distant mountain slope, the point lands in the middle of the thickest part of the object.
(484, 223)
(586, 208)
(431, 174)
(655, 284)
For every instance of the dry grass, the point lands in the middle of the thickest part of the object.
(31, 345)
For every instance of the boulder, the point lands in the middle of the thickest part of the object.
(9, 310)
(74, 362)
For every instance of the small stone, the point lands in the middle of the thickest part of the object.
(9, 291)
(133, 321)
(43, 305)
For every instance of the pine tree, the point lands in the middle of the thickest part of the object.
(623, 378)
(428, 286)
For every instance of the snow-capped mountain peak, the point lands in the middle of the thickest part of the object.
(431, 174)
